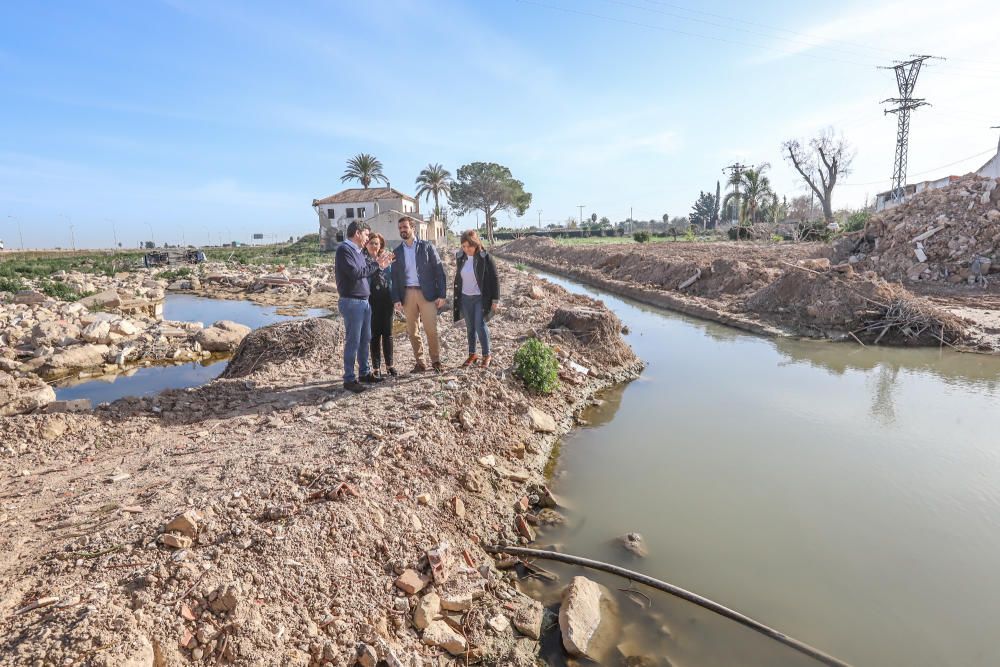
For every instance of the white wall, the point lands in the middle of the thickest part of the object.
(992, 168)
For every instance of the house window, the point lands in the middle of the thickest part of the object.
(361, 212)
(350, 213)
(330, 214)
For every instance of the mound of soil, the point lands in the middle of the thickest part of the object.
(315, 340)
(598, 329)
(950, 234)
(871, 309)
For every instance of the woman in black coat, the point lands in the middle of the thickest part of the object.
(477, 291)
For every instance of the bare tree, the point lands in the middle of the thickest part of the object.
(826, 159)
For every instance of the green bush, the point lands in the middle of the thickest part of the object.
(60, 291)
(12, 285)
(536, 364)
(174, 274)
(641, 237)
(856, 221)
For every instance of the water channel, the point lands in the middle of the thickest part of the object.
(847, 496)
(151, 380)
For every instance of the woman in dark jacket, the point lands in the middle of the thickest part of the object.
(477, 291)
(380, 299)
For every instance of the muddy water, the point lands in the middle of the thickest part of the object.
(849, 497)
(154, 379)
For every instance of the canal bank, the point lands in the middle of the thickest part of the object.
(844, 495)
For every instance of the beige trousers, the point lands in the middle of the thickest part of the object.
(414, 306)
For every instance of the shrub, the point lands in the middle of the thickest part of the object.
(12, 285)
(689, 234)
(60, 291)
(641, 237)
(743, 232)
(536, 364)
(856, 221)
(174, 274)
(521, 266)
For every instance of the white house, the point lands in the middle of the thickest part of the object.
(991, 169)
(381, 208)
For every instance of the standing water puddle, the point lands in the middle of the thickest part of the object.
(847, 496)
(150, 380)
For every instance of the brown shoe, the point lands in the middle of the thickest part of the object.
(486, 361)
(419, 367)
(438, 367)
(473, 358)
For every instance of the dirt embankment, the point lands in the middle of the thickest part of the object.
(775, 289)
(271, 518)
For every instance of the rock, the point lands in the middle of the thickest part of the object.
(461, 591)
(226, 598)
(53, 429)
(411, 582)
(23, 395)
(818, 264)
(523, 528)
(440, 561)
(500, 624)
(424, 499)
(29, 296)
(185, 523)
(536, 292)
(586, 620)
(442, 635)
(541, 421)
(458, 507)
(77, 356)
(124, 328)
(427, 610)
(102, 301)
(633, 543)
(528, 619)
(73, 406)
(175, 541)
(97, 332)
(55, 333)
(365, 655)
(223, 336)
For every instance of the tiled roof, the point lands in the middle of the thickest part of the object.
(362, 195)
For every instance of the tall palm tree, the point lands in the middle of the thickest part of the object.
(434, 181)
(364, 168)
(753, 193)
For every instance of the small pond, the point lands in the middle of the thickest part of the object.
(152, 380)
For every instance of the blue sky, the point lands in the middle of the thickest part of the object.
(200, 121)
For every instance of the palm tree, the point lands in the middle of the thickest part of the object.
(364, 168)
(434, 181)
(753, 193)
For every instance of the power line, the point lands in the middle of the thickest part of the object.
(926, 171)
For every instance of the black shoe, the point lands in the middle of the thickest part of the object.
(393, 372)
(355, 387)
(371, 378)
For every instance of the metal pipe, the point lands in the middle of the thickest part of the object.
(693, 598)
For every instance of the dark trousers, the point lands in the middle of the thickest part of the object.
(381, 332)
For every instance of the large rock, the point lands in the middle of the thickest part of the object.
(442, 635)
(223, 336)
(102, 301)
(23, 395)
(541, 421)
(98, 332)
(54, 333)
(588, 620)
(528, 618)
(77, 356)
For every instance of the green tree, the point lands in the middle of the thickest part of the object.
(754, 195)
(604, 222)
(718, 202)
(705, 207)
(364, 168)
(593, 218)
(490, 188)
(434, 181)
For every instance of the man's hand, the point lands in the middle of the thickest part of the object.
(398, 307)
(439, 303)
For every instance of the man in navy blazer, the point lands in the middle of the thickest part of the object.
(420, 288)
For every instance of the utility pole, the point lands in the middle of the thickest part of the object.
(539, 218)
(736, 169)
(581, 214)
(72, 239)
(906, 79)
(996, 127)
(629, 230)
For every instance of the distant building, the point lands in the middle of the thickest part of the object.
(381, 208)
(884, 200)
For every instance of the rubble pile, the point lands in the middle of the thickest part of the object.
(951, 234)
(316, 341)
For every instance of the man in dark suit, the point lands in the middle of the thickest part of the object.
(352, 269)
(419, 290)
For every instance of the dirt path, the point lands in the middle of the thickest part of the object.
(309, 503)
